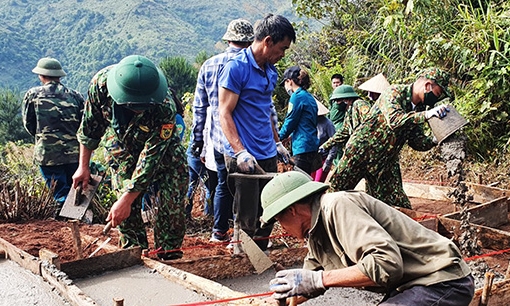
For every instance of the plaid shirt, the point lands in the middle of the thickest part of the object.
(206, 94)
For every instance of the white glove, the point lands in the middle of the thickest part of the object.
(438, 111)
(294, 282)
(245, 162)
(284, 153)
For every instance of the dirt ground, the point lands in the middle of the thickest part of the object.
(201, 257)
(215, 260)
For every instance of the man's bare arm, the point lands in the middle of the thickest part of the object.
(227, 103)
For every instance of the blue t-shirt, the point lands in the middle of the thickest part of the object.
(252, 114)
(301, 122)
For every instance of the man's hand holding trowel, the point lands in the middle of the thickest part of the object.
(121, 209)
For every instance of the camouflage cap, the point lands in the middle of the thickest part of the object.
(239, 30)
(50, 67)
(442, 78)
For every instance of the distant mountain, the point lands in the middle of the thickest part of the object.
(86, 35)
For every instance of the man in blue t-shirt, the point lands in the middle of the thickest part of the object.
(246, 86)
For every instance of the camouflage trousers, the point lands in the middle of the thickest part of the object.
(169, 222)
(385, 186)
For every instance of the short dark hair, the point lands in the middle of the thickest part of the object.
(275, 26)
(337, 76)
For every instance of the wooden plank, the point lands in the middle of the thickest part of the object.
(24, 259)
(491, 214)
(483, 193)
(49, 256)
(428, 220)
(99, 264)
(65, 286)
(431, 192)
(500, 294)
(489, 238)
(199, 284)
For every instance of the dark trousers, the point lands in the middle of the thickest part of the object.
(247, 205)
(62, 175)
(457, 292)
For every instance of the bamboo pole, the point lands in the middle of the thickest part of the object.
(484, 299)
(76, 237)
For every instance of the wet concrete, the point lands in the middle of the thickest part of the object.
(137, 285)
(334, 296)
(19, 286)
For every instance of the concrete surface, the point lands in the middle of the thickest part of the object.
(137, 285)
(335, 296)
(19, 286)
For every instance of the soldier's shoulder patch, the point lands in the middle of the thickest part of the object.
(364, 109)
(166, 131)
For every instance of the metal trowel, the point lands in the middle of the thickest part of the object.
(78, 199)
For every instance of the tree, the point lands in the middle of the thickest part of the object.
(181, 75)
(468, 38)
(11, 122)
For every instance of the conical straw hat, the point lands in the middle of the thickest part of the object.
(376, 84)
(321, 109)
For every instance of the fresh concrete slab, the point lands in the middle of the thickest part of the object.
(19, 286)
(137, 285)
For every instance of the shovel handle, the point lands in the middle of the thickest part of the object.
(107, 228)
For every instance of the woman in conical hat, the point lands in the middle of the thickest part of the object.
(375, 86)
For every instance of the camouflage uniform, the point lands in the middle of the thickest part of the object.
(52, 114)
(354, 115)
(372, 151)
(144, 149)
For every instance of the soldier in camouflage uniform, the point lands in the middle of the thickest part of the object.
(130, 105)
(356, 111)
(372, 151)
(52, 114)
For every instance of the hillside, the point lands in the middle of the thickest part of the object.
(86, 35)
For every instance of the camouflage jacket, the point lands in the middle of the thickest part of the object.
(52, 114)
(140, 145)
(389, 125)
(354, 115)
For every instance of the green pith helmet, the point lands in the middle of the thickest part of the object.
(442, 78)
(239, 30)
(284, 190)
(137, 83)
(48, 66)
(344, 92)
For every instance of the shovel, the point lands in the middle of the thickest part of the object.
(257, 257)
(79, 198)
(260, 261)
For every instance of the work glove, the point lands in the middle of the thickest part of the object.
(245, 162)
(196, 148)
(438, 111)
(284, 154)
(294, 282)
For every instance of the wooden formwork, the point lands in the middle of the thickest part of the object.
(61, 275)
(490, 213)
(486, 217)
